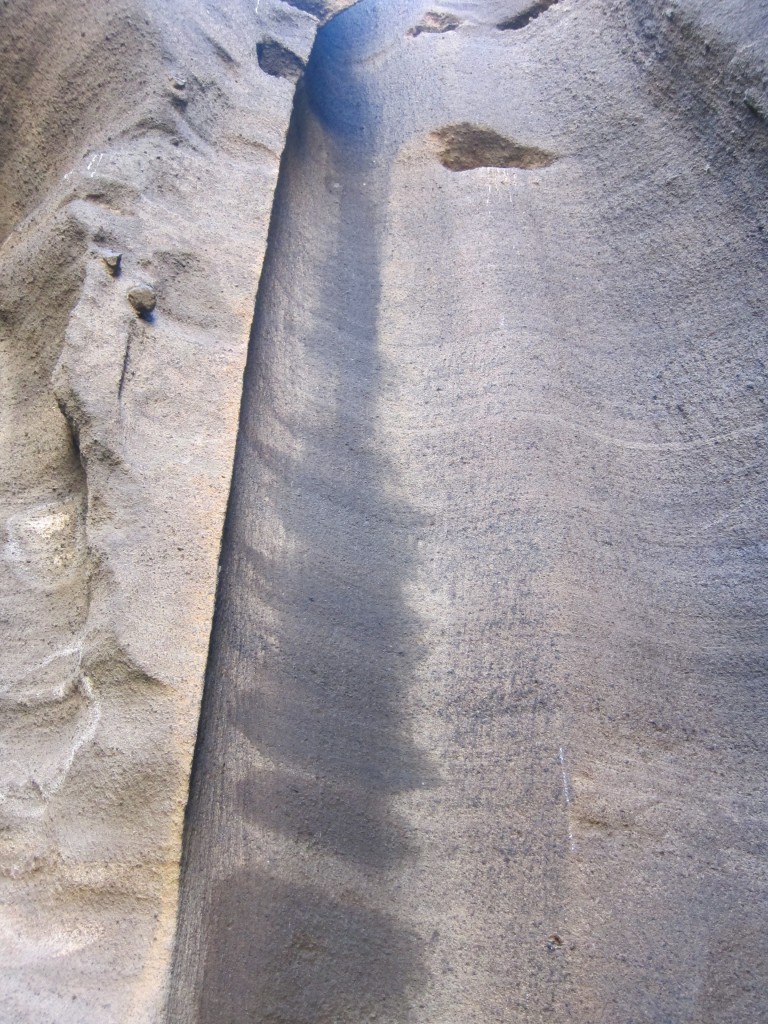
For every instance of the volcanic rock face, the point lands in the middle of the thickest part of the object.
(483, 734)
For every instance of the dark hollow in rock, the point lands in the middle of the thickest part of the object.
(435, 21)
(525, 17)
(319, 8)
(464, 147)
(279, 61)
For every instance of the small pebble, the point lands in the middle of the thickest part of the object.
(178, 91)
(112, 261)
(143, 299)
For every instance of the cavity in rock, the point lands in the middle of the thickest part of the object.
(435, 21)
(524, 17)
(464, 147)
(279, 61)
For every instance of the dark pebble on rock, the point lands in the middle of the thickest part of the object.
(143, 299)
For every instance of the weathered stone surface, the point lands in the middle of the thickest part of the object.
(484, 728)
(484, 736)
(146, 129)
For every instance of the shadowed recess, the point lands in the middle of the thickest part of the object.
(278, 61)
(305, 744)
(525, 17)
(464, 147)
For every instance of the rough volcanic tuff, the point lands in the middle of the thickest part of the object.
(484, 734)
(139, 153)
(484, 728)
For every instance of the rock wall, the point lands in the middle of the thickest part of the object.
(140, 148)
(483, 735)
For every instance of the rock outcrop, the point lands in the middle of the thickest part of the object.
(483, 734)
(140, 149)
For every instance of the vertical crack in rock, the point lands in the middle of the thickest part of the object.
(133, 334)
(302, 744)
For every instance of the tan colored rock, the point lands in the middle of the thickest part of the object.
(143, 298)
(112, 261)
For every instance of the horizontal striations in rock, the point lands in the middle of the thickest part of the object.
(483, 732)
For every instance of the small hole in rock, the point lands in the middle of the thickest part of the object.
(464, 147)
(278, 61)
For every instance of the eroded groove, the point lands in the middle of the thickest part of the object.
(465, 147)
(518, 21)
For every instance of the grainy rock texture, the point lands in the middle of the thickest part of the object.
(139, 150)
(484, 728)
(484, 735)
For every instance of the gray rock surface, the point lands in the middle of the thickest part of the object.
(483, 736)
(149, 130)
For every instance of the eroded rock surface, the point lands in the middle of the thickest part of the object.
(139, 153)
(484, 728)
